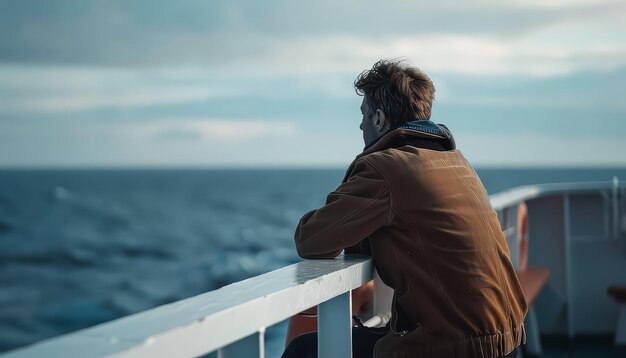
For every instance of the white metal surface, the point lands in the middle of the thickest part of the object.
(334, 324)
(569, 282)
(615, 206)
(511, 197)
(381, 307)
(207, 322)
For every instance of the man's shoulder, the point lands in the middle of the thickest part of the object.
(384, 161)
(390, 156)
(395, 160)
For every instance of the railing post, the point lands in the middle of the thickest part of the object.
(615, 201)
(533, 340)
(334, 327)
(569, 289)
(251, 346)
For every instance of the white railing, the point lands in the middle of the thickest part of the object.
(232, 319)
(509, 198)
(552, 220)
(506, 203)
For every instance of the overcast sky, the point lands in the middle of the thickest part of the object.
(269, 83)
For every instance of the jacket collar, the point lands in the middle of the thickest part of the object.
(420, 129)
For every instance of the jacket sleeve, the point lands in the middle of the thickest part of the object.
(356, 209)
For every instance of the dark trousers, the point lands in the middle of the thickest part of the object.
(363, 341)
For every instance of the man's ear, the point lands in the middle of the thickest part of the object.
(380, 120)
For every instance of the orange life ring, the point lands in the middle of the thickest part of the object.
(522, 235)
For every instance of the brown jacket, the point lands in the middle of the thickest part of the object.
(426, 219)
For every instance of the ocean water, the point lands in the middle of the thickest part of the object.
(81, 247)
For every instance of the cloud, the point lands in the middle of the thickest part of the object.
(515, 149)
(212, 143)
(288, 35)
(49, 89)
(217, 130)
(460, 54)
(130, 97)
(561, 4)
(282, 38)
(158, 82)
(38, 92)
(297, 67)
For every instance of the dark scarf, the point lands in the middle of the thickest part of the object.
(427, 134)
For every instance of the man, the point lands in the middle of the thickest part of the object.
(414, 203)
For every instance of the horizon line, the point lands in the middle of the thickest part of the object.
(581, 166)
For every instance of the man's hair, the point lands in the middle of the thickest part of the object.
(402, 92)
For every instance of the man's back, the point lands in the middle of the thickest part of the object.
(444, 254)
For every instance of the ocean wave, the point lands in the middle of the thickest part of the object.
(52, 258)
(7, 207)
(60, 193)
(80, 312)
(5, 227)
(109, 216)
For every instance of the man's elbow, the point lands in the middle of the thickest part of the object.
(310, 246)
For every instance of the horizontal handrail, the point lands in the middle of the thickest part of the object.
(207, 322)
(510, 197)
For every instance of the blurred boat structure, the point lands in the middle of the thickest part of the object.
(576, 236)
